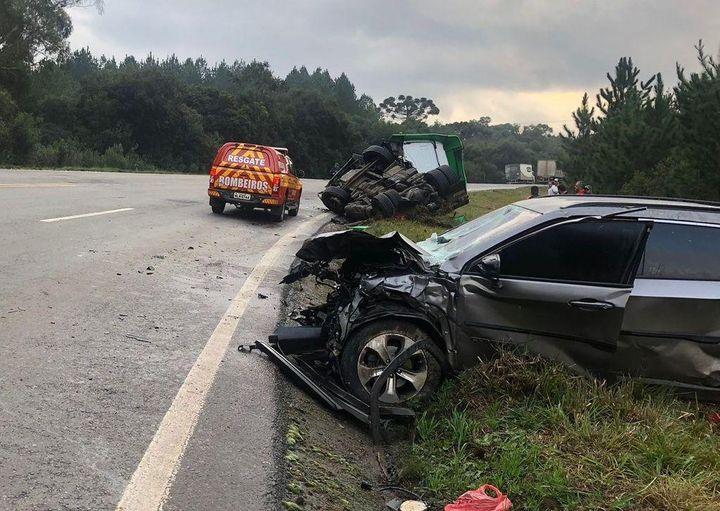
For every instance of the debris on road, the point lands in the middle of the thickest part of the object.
(136, 338)
(407, 170)
(262, 296)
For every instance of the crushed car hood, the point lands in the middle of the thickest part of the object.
(344, 244)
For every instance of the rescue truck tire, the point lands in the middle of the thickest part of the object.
(335, 198)
(278, 213)
(294, 211)
(378, 153)
(217, 206)
(436, 178)
(384, 205)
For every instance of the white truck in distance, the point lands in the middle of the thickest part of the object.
(519, 173)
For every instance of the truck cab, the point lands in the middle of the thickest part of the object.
(254, 176)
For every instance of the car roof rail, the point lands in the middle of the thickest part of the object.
(710, 205)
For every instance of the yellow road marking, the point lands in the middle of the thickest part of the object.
(149, 486)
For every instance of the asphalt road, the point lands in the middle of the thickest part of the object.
(117, 339)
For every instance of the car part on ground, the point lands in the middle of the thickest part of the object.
(253, 176)
(611, 286)
(408, 170)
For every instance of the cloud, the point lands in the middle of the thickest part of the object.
(474, 57)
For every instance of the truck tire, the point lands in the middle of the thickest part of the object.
(395, 196)
(378, 153)
(294, 211)
(217, 205)
(436, 178)
(450, 174)
(335, 198)
(373, 346)
(278, 213)
(384, 205)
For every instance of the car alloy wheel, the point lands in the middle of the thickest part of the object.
(407, 381)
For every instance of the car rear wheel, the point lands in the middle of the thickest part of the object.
(370, 350)
(294, 211)
(335, 198)
(278, 213)
(217, 206)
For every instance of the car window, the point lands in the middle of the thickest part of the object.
(589, 251)
(682, 252)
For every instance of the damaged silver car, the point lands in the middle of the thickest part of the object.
(612, 286)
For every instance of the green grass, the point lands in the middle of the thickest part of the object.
(420, 224)
(554, 440)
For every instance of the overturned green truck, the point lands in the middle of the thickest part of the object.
(404, 171)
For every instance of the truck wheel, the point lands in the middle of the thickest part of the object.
(378, 153)
(394, 196)
(438, 181)
(370, 349)
(217, 205)
(335, 198)
(278, 213)
(384, 205)
(450, 174)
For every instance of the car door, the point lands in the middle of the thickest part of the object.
(567, 282)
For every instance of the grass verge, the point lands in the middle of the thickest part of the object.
(554, 440)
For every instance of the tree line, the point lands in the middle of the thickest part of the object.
(640, 138)
(73, 109)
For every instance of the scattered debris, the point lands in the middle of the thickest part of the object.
(150, 268)
(262, 296)
(480, 500)
(135, 338)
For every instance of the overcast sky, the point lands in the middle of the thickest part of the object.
(516, 61)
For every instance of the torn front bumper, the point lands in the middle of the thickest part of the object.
(296, 350)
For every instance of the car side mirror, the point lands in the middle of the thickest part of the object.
(489, 267)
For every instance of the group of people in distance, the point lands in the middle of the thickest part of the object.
(555, 187)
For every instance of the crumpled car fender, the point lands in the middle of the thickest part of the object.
(416, 298)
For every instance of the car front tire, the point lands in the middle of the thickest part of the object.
(371, 348)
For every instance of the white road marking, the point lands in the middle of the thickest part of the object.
(150, 484)
(34, 185)
(84, 215)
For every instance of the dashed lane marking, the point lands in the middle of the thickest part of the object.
(35, 185)
(84, 215)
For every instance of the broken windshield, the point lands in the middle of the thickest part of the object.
(451, 243)
(425, 156)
